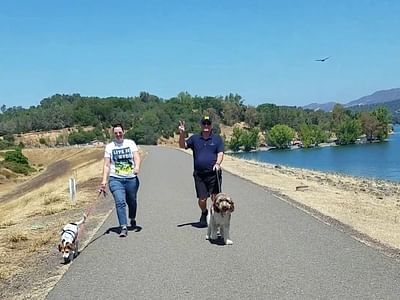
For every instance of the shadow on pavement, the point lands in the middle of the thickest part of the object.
(193, 224)
(116, 230)
(219, 241)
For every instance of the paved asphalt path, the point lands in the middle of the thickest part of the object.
(279, 251)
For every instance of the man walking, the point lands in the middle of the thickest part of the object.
(208, 154)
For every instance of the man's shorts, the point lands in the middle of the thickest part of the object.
(207, 183)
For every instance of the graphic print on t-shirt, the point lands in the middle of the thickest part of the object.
(123, 161)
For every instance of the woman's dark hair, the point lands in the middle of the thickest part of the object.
(118, 125)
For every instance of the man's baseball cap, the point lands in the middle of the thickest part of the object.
(206, 119)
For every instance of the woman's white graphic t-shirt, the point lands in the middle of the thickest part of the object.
(121, 156)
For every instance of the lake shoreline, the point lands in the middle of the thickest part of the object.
(371, 161)
(263, 149)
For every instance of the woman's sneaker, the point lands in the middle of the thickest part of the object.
(124, 232)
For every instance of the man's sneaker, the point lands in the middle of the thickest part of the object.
(133, 223)
(203, 218)
(124, 232)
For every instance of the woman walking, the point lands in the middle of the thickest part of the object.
(120, 170)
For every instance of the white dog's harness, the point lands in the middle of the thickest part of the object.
(70, 230)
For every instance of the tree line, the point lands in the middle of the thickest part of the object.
(147, 118)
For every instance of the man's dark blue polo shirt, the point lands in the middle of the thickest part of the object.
(205, 151)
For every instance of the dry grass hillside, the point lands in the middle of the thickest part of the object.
(34, 209)
(46, 138)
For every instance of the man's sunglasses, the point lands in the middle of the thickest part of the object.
(206, 123)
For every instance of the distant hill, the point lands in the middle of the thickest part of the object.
(317, 106)
(393, 107)
(375, 98)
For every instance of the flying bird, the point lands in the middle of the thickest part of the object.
(323, 59)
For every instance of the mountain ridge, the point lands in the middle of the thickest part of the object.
(381, 96)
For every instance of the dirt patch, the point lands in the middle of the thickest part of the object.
(54, 170)
(50, 162)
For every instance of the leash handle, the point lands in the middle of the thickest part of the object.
(102, 191)
(217, 173)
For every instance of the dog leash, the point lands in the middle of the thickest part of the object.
(217, 172)
(90, 208)
(88, 211)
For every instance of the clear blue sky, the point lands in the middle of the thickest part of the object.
(263, 50)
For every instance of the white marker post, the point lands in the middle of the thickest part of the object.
(72, 189)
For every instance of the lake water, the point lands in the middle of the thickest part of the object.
(378, 160)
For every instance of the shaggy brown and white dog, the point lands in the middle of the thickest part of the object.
(219, 217)
(69, 241)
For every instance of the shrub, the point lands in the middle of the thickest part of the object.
(16, 156)
(42, 141)
(4, 144)
(18, 168)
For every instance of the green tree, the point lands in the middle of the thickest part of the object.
(280, 136)
(81, 137)
(383, 116)
(235, 142)
(369, 125)
(311, 135)
(269, 115)
(338, 117)
(348, 131)
(249, 138)
(143, 134)
(319, 135)
(251, 116)
(233, 109)
(306, 136)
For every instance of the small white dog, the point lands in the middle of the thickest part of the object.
(219, 217)
(69, 243)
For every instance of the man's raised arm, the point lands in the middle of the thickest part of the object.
(182, 142)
